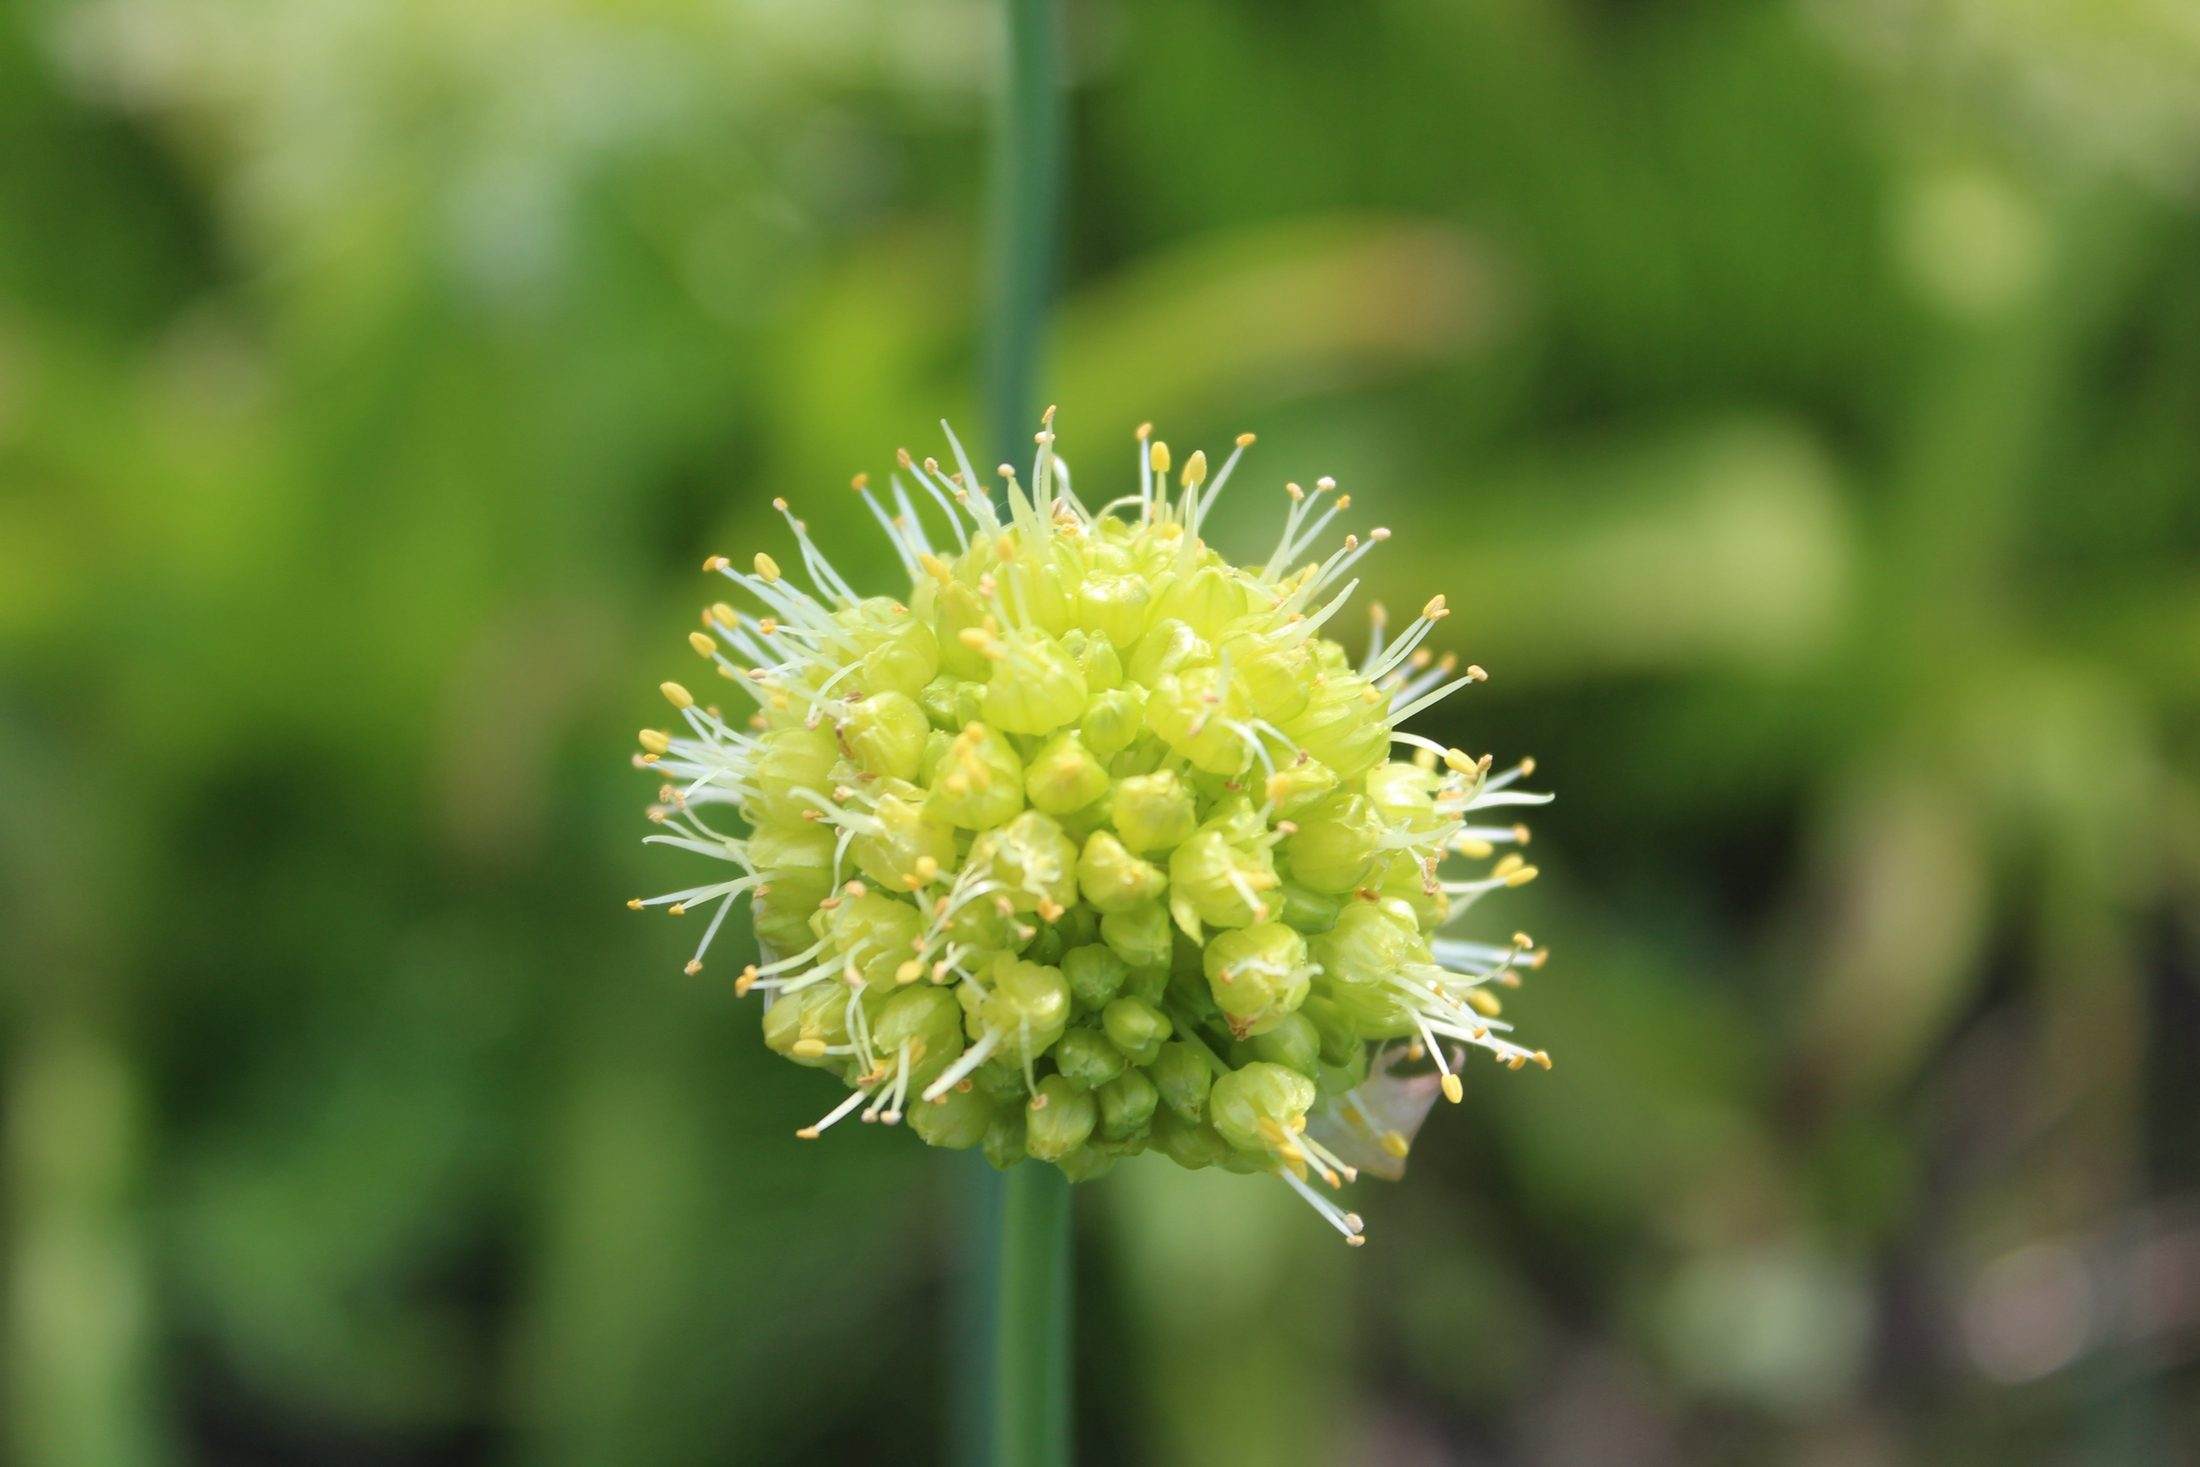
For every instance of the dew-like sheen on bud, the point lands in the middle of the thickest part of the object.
(1094, 840)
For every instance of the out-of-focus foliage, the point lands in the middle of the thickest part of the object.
(1800, 403)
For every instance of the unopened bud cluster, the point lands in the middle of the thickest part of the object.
(1092, 842)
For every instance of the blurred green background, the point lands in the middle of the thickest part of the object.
(1799, 402)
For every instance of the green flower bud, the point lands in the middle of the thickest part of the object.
(1004, 1137)
(793, 766)
(1063, 776)
(903, 655)
(1292, 1042)
(1147, 984)
(902, 836)
(1168, 648)
(1257, 975)
(1059, 1119)
(1403, 792)
(1182, 1075)
(873, 935)
(1345, 725)
(1034, 862)
(1087, 1162)
(1095, 975)
(1275, 679)
(1140, 936)
(884, 734)
(1126, 1105)
(803, 1026)
(1309, 912)
(1136, 1028)
(1196, 713)
(799, 858)
(1191, 1144)
(1112, 720)
(956, 609)
(924, 1022)
(1299, 784)
(1258, 1107)
(1358, 958)
(1208, 601)
(951, 704)
(1028, 1003)
(1153, 812)
(958, 1120)
(1336, 845)
(1036, 687)
(1220, 884)
(1111, 879)
(981, 782)
(1086, 1058)
(1114, 607)
(1097, 659)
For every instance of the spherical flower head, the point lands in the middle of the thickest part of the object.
(1091, 842)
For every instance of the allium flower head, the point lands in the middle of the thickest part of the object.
(1092, 842)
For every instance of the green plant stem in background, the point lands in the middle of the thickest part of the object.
(1024, 1313)
(1030, 1425)
(1027, 169)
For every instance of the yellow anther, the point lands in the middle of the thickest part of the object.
(1483, 1002)
(860, 483)
(1245, 440)
(633, 904)
(1453, 1090)
(935, 567)
(1395, 1144)
(1435, 610)
(694, 966)
(716, 563)
(725, 615)
(1520, 876)
(676, 695)
(1195, 469)
(1541, 1058)
(1158, 456)
(909, 972)
(677, 909)
(766, 566)
(703, 644)
(1145, 431)
(1477, 674)
(655, 740)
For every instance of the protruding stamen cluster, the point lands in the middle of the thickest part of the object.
(1094, 843)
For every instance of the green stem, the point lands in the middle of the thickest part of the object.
(1027, 169)
(1025, 1408)
(1031, 1333)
